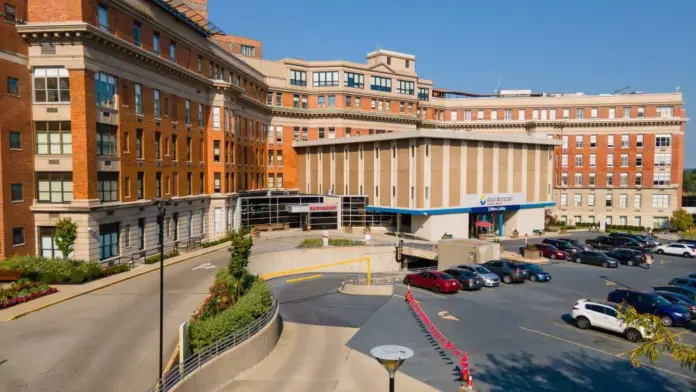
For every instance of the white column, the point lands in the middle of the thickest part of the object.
(524, 171)
(320, 169)
(479, 168)
(537, 172)
(510, 167)
(445, 173)
(463, 170)
(549, 173)
(496, 166)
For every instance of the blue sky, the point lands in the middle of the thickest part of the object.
(593, 46)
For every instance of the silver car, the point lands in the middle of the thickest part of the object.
(489, 278)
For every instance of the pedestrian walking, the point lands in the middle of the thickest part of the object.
(526, 240)
(648, 260)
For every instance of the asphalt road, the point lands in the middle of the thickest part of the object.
(108, 340)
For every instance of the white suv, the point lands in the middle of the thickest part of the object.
(675, 249)
(602, 315)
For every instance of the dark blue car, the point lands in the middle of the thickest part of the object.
(679, 299)
(650, 303)
(536, 274)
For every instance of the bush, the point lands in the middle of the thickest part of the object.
(115, 269)
(311, 243)
(56, 271)
(344, 242)
(205, 331)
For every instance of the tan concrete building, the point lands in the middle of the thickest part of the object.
(437, 181)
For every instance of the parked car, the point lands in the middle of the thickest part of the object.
(629, 257)
(604, 242)
(603, 315)
(679, 299)
(648, 239)
(691, 243)
(575, 243)
(561, 245)
(683, 290)
(595, 258)
(489, 278)
(535, 273)
(601, 242)
(642, 240)
(650, 303)
(507, 270)
(550, 251)
(684, 282)
(679, 249)
(434, 280)
(468, 279)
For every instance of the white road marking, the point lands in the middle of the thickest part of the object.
(447, 316)
(204, 267)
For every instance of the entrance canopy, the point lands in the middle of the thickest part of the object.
(484, 224)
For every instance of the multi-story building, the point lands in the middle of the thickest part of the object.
(106, 105)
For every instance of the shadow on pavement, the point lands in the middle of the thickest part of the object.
(570, 371)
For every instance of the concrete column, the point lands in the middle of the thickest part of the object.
(479, 169)
(524, 171)
(510, 167)
(496, 166)
(537, 173)
(445, 173)
(463, 169)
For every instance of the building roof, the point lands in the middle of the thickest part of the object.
(433, 134)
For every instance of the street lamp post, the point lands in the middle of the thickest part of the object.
(161, 204)
(391, 357)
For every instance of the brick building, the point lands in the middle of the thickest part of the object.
(106, 105)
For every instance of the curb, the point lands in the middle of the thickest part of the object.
(209, 250)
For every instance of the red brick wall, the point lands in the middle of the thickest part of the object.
(83, 117)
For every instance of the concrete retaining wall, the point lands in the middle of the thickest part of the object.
(382, 260)
(357, 289)
(223, 369)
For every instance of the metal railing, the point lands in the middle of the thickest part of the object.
(384, 278)
(197, 360)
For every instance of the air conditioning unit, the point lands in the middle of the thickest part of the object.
(105, 117)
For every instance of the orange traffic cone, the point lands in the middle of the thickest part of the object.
(470, 383)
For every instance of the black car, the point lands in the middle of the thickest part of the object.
(690, 243)
(468, 279)
(629, 257)
(650, 303)
(642, 240)
(601, 242)
(575, 243)
(562, 245)
(683, 290)
(507, 270)
(604, 242)
(685, 282)
(595, 258)
(679, 299)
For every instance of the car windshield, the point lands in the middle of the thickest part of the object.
(445, 276)
(533, 267)
(602, 256)
(482, 270)
(661, 301)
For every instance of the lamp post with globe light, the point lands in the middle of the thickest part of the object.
(391, 357)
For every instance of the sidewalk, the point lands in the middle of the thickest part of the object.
(67, 292)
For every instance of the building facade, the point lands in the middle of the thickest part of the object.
(107, 105)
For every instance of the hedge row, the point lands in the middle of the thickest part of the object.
(204, 332)
(57, 271)
(156, 258)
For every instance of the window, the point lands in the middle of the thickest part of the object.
(521, 114)
(639, 179)
(15, 140)
(321, 101)
(593, 179)
(279, 180)
(626, 112)
(552, 114)
(17, 236)
(565, 142)
(378, 83)
(332, 101)
(579, 113)
(248, 50)
(269, 99)
(661, 179)
(624, 160)
(535, 114)
(624, 141)
(578, 160)
(201, 183)
(579, 141)
(637, 221)
(107, 184)
(16, 192)
(578, 199)
(50, 85)
(200, 115)
(610, 141)
(423, 94)
(663, 140)
(593, 141)
(610, 160)
(106, 140)
(217, 182)
(136, 33)
(578, 179)
(494, 114)
(612, 113)
(279, 99)
(53, 138)
(660, 201)
(354, 80)
(566, 113)
(172, 51)
(405, 87)
(641, 112)
(639, 160)
(660, 222)
(105, 89)
(564, 179)
(662, 160)
(623, 179)
(593, 160)
(321, 133)
(507, 114)
(593, 113)
(325, 79)
(304, 101)
(637, 201)
(103, 16)
(216, 117)
(609, 200)
(591, 200)
(11, 14)
(298, 78)
(665, 111)
(158, 145)
(158, 184)
(54, 187)
(564, 160)
(357, 102)
(623, 221)
(401, 107)
(332, 133)
(639, 141)
(216, 151)
(156, 43)
(564, 199)
(610, 179)
(141, 185)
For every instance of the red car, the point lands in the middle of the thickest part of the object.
(551, 252)
(436, 281)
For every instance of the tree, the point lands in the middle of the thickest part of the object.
(239, 258)
(689, 182)
(682, 220)
(66, 233)
(662, 339)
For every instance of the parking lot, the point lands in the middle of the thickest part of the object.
(520, 337)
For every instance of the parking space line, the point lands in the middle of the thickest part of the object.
(610, 354)
(422, 291)
(401, 296)
(591, 332)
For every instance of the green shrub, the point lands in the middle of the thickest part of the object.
(115, 269)
(53, 271)
(311, 243)
(256, 302)
(344, 242)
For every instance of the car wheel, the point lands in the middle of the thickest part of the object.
(507, 279)
(436, 288)
(407, 281)
(582, 322)
(632, 335)
(605, 264)
(630, 263)
(687, 254)
(552, 257)
(667, 321)
(533, 278)
(660, 252)
(577, 260)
